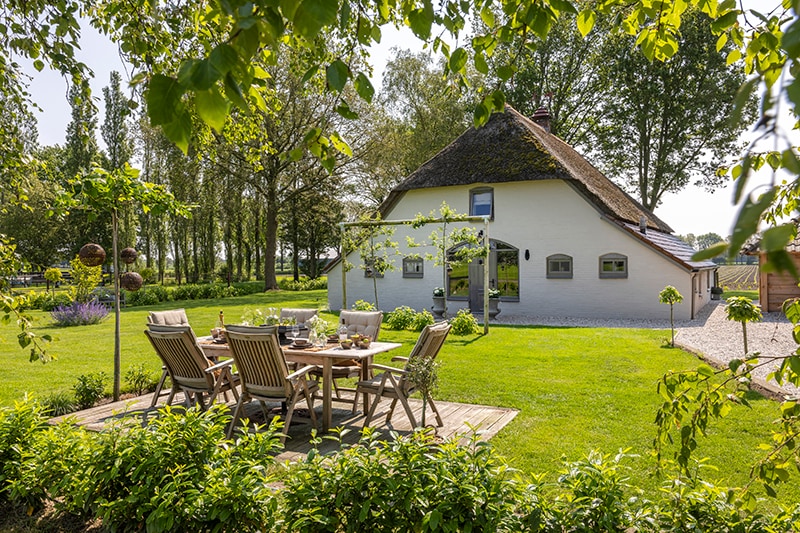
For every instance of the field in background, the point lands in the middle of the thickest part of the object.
(738, 277)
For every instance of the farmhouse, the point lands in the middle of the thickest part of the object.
(565, 241)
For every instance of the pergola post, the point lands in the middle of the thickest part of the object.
(486, 276)
(344, 266)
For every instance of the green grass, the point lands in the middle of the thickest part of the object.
(753, 295)
(577, 389)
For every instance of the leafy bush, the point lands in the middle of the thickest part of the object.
(464, 323)
(422, 319)
(79, 314)
(149, 275)
(89, 389)
(401, 318)
(443, 487)
(363, 305)
(176, 474)
(46, 301)
(139, 380)
(303, 284)
(84, 279)
(58, 404)
(17, 428)
(143, 296)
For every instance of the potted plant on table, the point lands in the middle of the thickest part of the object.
(494, 301)
(438, 302)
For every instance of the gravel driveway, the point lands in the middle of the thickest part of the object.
(710, 335)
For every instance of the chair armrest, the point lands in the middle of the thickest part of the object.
(301, 371)
(389, 369)
(400, 358)
(219, 366)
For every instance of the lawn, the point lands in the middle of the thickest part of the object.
(577, 389)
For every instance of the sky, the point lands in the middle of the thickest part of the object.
(692, 210)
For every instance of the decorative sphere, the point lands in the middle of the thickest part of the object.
(92, 255)
(131, 281)
(128, 255)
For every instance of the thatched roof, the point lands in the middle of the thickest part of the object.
(511, 147)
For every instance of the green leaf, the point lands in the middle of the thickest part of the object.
(312, 15)
(748, 219)
(711, 251)
(778, 237)
(458, 60)
(179, 131)
(504, 72)
(564, 6)
(585, 21)
(421, 20)
(223, 58)
(38, 65)
(309, 74)
(344, 110)
(481, 114)
(791, 39)
(364, 87)
(705, 370)
(741, 100)
(487, 16)
(733, 56)
(725, 21)
(341, 145)
(212, 108)
(163, 99)
(480, 63)
(336, 74)
(234, 94)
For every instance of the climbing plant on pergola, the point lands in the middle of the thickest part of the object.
(439, 239)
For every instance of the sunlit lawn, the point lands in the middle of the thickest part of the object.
(577, 389)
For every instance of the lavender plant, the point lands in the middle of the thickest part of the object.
(79, 314)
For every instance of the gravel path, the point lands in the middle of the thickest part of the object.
(710, 335)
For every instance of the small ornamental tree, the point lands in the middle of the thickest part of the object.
(52, 276)
(84, 279)
(742, 309)
(670, 295)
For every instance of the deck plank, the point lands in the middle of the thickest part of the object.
(456, 417)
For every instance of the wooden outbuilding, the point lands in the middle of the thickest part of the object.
(774, 288)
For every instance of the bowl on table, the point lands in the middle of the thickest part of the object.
(346, 344)
(301, 342)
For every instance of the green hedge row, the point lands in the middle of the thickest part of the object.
(180, 474)
(154, 294)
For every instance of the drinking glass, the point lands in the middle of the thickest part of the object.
(295, 330)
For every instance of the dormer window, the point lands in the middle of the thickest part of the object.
(481, 202)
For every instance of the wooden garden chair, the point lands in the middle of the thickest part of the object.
(265, 376)
(189, 368)
(394, 383)
(366, 323)
(170, 320)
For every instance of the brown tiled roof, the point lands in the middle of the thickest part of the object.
(669, 245)
(511, 147)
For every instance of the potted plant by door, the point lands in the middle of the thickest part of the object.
(716, 293)
(438, 302)
(494, 300)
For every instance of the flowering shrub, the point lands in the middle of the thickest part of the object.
(79, 314)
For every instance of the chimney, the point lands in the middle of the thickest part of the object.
(542, 117)
(642, 224)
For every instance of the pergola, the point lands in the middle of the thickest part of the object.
(409, 222)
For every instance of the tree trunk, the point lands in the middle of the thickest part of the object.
(115, 254)
(271, 238)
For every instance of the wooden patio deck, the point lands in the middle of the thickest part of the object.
(457, 418)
